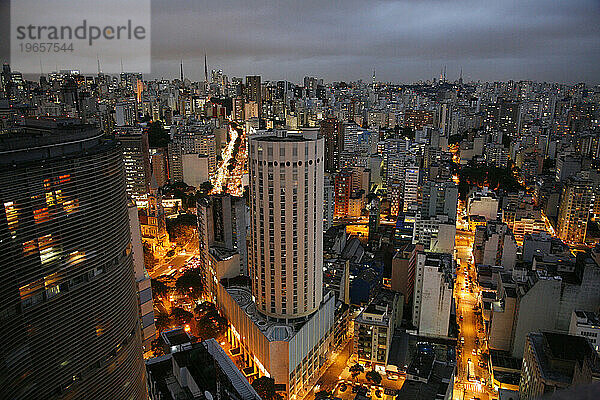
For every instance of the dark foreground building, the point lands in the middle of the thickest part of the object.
(68, 309)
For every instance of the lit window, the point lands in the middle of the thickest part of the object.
(29, 247)
(41, 215)
(71, 206)
(11, 215)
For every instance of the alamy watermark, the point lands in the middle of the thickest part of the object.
(88, 35)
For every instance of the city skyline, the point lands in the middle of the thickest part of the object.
(403, 42)
(383, 200)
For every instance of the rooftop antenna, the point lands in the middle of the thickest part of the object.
(373, 78)
(121, 65)
(181, 70)
(98, 59)
(205, 69)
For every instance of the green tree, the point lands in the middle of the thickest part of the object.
(323, 395)
(159, 288)
(265, 387)
(180, 316)
(157, 135)
(374, 376)
(149, 260)
(356, 370)
(190, 283)
(157, 349)
(162, 321)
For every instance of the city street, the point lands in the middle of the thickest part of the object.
(471, 329)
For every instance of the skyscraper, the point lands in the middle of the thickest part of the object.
(254, 91)
(333, 132)
(574, 211)
(221, 230)
(286, 191)
(136, 160)
(69, 319)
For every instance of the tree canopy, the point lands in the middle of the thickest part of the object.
(374, 376)
(159, 288)
(265, 387)
(157, 135)
(484, 175)
(190, 283)
(180, 316)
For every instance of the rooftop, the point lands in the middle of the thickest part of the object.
(587, 318)
(558, 353)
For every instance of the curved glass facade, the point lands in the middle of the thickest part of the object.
(68, 306)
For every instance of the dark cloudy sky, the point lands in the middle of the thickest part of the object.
(403, 40)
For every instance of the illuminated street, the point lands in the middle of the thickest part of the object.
(225, 180)
(473, 351)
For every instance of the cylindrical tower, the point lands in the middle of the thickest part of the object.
(286, 187)
(68, 307)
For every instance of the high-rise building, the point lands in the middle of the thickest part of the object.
(222, 231)
(343, 190)
(495, 244)
(142, 280)
(439, 198)
(69, 322)
(136, 160)
(567, 165)
(575, 203)
(417, 119)
(586, 324)
(509, 118)
(333, 133)
(432, 299)
(328, 201)
(284, 326)
(125, 113)
(554, 361)
(159, 168)
(286, 187)
(254, 91)
(403, 270)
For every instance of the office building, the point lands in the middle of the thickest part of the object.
(555, 361)
(142, 280)
(222, 239)
(586, 324)
(195, 369)
(432, 299)
(333, 133)
(136, 161)
(286, 186)
(69, 321)
(403, 270)
(374, 328)
(576, 200)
